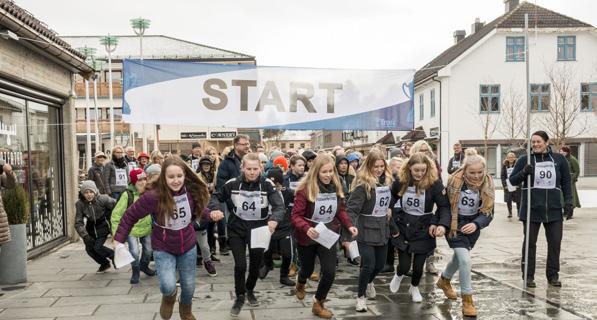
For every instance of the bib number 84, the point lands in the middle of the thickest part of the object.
(324, 210)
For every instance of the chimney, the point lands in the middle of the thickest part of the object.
(459, 35)
(510, 4)
(477, 26)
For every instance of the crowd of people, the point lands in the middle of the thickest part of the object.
(181, 212)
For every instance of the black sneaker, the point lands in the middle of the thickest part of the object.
(287, 282)
(237, 306)
(251, 299)
(354, 262)
(103, 268)
(214, 258)
(555, 283)
(531, 283)
(224, 251)
(263, 271)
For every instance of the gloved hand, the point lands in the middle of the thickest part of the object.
(568, 210)
(528, 169)
(196, 225)
(88, 240)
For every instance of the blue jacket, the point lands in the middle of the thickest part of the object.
(546, 205)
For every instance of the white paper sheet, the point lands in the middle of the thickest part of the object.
(353, 250)
(327, 237)
(260, 237)
(122, 256)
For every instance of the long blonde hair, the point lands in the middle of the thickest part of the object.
(416, 147)
(310, 182)
(365, 175)
(216, 162)
(406, 177)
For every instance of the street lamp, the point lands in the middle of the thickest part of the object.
(140, 25)
(88, 52)
(110, 43)
(97, 66)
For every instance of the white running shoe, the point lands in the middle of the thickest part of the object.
(361, 304)
(371, 291)
(415, 294)
(395, 284)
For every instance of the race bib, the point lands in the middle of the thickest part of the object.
(545, 175)
(131, 165)
(182, 213)
(293, 185)
(325, 207)
(468, 203)
(121, 179)
(248, 205)
(382, 201)
(511, 188)
(456, 164)
(412, 203)
(195, 164)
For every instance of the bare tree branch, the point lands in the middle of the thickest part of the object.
(513, 115)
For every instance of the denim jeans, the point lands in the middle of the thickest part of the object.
(461, 261)
(145, 253)
(167, 264)
(203, 245)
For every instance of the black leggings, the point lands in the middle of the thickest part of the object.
(373, 259)
(404, 262)
(390, 258)
(284, 247)
(238, 247)
(327, 259)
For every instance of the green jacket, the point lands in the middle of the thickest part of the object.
(143, 227)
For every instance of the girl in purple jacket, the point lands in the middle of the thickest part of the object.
(172, 200)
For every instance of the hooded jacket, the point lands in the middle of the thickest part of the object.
(546, 205)
(175, 242)
(93, 218)
(143, 227)
(345, 179)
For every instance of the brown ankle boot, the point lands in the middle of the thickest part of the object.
(445, 285)
(300, 290)
(320, 311)
(185, 312)
(468, 308)
(167, 306)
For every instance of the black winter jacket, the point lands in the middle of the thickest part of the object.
(93, 218)
(229, 168)
(546, 205)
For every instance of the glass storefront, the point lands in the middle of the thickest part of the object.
(30, 141)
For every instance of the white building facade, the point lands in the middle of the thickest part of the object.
(474, 92)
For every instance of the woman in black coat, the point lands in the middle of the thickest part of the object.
(511, 192)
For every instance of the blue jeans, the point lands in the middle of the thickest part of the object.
(134, 249)
(461, 261)
(167, 264)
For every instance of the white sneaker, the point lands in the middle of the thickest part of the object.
(371, 291)
(415, 294)
(395, 284)
(361, 304)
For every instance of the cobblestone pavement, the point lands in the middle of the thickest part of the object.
(63, 285)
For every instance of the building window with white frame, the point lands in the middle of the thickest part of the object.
(540, 97)
(514, 49)
(588, 96)
(432, 103)
(566, 48)
(489, 98)
(421, 107)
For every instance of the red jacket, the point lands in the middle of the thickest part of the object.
(304, 209)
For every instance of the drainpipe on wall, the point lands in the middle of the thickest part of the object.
(441, 132)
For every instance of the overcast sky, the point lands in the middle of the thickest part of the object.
(388, 34)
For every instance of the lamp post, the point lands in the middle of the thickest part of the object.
(110, 43)
(88, 52)
(139, 26)
(97, 66)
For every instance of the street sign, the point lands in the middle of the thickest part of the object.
(193, 135)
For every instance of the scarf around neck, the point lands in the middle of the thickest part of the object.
(486, 190)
